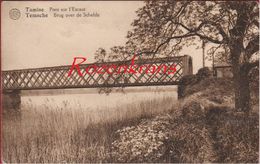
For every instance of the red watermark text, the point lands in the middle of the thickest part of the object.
(131, 68)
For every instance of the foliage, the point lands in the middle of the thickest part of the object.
(185, 81)
(190, 80)
(204, 73)
(236, 136)
(145, 142)
(231, 29)
(200, 129)
(164, 27)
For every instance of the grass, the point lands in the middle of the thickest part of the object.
(202, 127)
(62, 135)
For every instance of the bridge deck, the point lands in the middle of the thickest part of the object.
(57, 77)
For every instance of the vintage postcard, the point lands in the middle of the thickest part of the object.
(130, 81)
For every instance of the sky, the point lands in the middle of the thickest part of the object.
(33, 42)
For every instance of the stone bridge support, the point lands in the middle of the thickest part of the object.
(187, 65)
(11, 100)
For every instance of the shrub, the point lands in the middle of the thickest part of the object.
(204, 73)
(191, 80)
(184, 82)
(232, 137)
(143, 143)
(212, 88)
(193, 111)
(192, 143)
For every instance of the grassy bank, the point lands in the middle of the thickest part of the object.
(205, 128)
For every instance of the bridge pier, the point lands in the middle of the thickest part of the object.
(11, 100)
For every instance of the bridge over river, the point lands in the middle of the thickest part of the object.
(13, 81)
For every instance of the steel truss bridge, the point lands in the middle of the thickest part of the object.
(57, 77)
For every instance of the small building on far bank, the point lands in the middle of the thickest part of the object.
(223, 70)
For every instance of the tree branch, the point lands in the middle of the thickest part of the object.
(256, 23)
(165, 42)
(195, 31)
(248, 66)
(252, 47)
(254, 64)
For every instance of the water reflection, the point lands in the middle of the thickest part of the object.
(90, 98)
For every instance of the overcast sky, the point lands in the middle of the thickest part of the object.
(41, 42)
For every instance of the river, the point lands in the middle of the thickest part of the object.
(91, 99)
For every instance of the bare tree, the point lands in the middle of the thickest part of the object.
(164, 27)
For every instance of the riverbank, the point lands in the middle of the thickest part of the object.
(204, 128)
(201, 127)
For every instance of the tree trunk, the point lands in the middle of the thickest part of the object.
(236, 79)
(244, 91)
(241, 82)
(241, 86)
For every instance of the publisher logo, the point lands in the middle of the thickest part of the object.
(14, 14)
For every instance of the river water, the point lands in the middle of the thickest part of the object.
(90, 98)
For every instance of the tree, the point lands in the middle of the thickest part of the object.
(116, 53)
(230, 27)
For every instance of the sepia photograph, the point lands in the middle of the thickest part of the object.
(166, 81)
